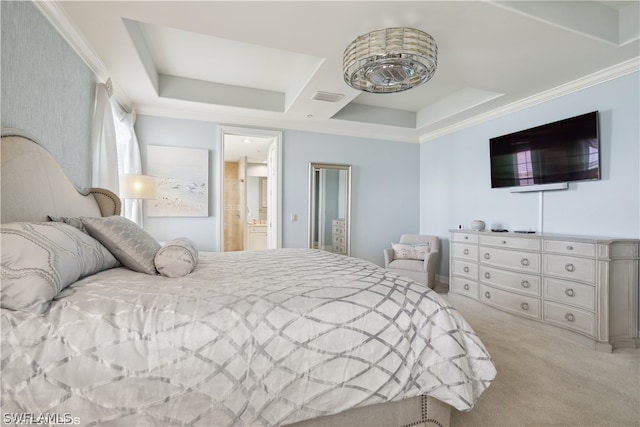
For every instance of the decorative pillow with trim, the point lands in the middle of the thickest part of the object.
(177, 258)
(40, 259)
(417, 251)
(127, 241)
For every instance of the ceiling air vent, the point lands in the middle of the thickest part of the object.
(327, 96)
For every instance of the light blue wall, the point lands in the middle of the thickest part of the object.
(169, 132)
(384, 184)
(455, 186)
(385, 187)
(46, 89)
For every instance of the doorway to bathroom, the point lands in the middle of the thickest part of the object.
(249, 193)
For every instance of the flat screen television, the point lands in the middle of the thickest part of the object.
(559, 152)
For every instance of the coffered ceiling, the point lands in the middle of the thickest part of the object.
(265, 63)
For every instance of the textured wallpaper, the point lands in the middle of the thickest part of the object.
(46, 89)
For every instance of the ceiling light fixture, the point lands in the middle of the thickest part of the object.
(390, 60)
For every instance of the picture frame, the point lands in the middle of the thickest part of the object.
(183, 181)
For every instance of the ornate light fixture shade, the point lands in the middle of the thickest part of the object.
(390, 60)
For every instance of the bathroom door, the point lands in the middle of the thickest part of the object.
(233, 143)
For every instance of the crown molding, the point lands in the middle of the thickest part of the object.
(331, 127)
(63, 25)
(60, 21)
(610, 73)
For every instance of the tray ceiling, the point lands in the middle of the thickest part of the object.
(262, 63)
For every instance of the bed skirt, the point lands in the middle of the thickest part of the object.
(421, 411)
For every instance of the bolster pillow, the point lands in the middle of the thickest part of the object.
(177, 258)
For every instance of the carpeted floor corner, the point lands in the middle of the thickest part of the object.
(545, 379)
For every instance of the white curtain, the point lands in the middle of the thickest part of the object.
(128, 157)
(103, 144)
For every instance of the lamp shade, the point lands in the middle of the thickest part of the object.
(138, 187)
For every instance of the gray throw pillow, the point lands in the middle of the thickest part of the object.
(177, 258)
(41, 259)
(130, 244)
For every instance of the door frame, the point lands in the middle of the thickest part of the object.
(219, 173)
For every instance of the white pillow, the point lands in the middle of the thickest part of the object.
(41, 259)
(177, 258)
(416, 251)
(128, 242)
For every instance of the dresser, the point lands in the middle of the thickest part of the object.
(338, 236)
(587, 287)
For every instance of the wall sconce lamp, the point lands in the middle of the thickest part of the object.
(137, 188)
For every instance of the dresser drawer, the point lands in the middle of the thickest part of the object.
(460, 250)
(257, 229)
(520, 304)
(337, 229)
(582, 269)
(576, 294)
(460, 285)
(464, 268)
(569, 317)
(523, 283)
(528, 262)
(570, 248)
(511, 242)
(464, 237)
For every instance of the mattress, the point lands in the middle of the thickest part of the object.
(254, 338)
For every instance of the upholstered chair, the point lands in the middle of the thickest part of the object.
(414, 256)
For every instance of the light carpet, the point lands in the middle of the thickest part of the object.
(545, 379)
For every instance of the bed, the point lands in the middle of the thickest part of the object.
(257, 338)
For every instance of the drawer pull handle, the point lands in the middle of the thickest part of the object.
(487, 294)
(524, 306)
(570, 317)
(466, 286)
(466, 252)
(504, 242)
(466, 237)
(466, 269)
(525, 284)
(487, 275)
(487, 255)
(525, 262)
(570, 268)
(569, 248)
(569, 292)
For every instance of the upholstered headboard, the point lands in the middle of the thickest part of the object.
(34, 186)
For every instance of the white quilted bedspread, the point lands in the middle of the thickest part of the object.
(258, 338)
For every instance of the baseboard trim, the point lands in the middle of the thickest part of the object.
(442, 284)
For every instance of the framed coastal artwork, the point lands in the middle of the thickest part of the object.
(183, 181)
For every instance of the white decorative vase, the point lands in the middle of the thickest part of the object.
(477, 225)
